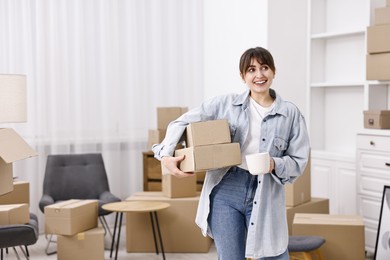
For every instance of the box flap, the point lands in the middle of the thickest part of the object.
(13, 147)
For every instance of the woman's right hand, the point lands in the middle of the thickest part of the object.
(171, 164)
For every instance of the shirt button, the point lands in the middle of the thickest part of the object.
(255, 202)
(264, 120)
(252, 223)
(263, 139)
(259, 181)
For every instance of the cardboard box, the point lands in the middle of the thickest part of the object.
(315, 205)
(388, 3)
(179, 232)
(20, 194)
(12, 148)
(175, 187)
(378, 38)
(207, 133)
(377, 66)
(377, 119)
(71, 217)
(14, 214)
(206, 157)
(84, 245)
(344, 234)
(154, 186)
(300, 191)
(155, 136)
(165, 115)
(382, 15)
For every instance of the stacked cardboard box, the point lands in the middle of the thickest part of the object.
(208, 146)
(13, 148)
(75, 224)
(378, 45)
(14, 206)
(152, 167)
(179, 232)
(299, 200)
(344, 234)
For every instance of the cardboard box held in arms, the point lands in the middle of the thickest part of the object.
(208, 149)
(12, 149)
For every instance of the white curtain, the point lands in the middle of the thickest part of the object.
(96, 71)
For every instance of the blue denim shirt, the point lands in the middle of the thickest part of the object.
(283, 134)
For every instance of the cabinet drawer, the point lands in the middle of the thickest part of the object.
(372, 186)
(375, 161)
(373, 143)
(371, 208)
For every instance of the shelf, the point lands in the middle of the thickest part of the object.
(332, 35)
(336, 84)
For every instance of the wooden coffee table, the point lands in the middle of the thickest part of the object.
(132, 207)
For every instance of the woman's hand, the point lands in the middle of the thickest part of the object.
(171, 164)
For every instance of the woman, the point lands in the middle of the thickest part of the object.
(245, 214)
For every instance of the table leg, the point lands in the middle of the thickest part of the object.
(159, 234)
(154, 232)
(119, 235)
(113, 236)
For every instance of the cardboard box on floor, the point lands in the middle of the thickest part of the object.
(377, 119)
(14, 214)
(207, 133)
(344, 234)
(12, 148)
(175, 187)
(85, 245)
(315, 205)
(71, 217)
(300, 191)
(179, 232)
(167, 114)
(20, 194)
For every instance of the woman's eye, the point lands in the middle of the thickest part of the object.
(251, 70)
(264, 67)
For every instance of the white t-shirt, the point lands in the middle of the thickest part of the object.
(256, 115)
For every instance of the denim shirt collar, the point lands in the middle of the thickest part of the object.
(243, 100)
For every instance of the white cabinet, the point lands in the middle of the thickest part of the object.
(373, 168)
(334, 177)
(338, 93)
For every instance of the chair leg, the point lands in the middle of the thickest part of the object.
(106, 228)
(48, 244)
(24, 252)
(306, 256)
(28, 254)
(16, 253)
(318, 253)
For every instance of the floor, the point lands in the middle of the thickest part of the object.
(37, 252)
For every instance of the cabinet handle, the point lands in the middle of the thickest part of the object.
(372, 143)
(387, 164)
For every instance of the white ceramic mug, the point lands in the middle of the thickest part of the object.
(258, 163)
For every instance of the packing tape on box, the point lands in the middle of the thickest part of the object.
(81, 236)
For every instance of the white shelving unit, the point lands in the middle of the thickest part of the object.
(338, 93)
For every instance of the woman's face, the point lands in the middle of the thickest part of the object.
(258, 77)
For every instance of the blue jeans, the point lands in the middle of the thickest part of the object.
(230, 210)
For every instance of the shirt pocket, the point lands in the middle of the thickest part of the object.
(279, 146)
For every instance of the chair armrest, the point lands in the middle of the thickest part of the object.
(104, 198)
(45, 201)
(108, 197)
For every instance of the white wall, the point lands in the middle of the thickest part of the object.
(230, 27)
(287, 41)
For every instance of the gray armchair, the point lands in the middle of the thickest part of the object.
(77, 176)
(21, 235)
